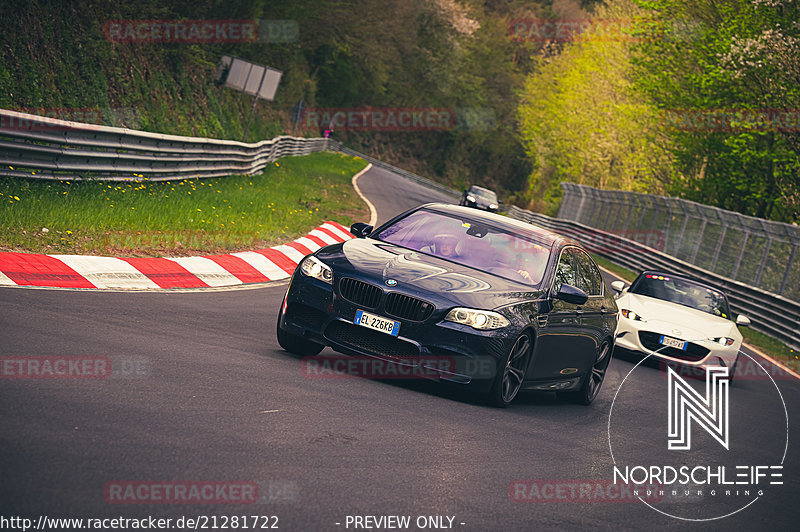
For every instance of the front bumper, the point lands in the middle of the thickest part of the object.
(431, 348)
(643, 338)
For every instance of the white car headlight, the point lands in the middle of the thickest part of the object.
(631, 315)
(313, 267)
(471, 198)
(493, 206)
(723, 340)
(483, 320)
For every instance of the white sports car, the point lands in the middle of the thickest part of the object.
(678, 320)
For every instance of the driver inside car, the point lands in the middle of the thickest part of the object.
(445, 245)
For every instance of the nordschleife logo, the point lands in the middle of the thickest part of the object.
(709, 412)
(726, 444)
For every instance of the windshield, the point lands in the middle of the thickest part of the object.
(484, 194)
(475, 244)
(682, 292)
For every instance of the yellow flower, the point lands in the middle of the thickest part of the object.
(17, 197)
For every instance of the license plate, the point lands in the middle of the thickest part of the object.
(377, 323)
(673, 342)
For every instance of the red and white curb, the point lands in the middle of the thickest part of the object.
(81, 271)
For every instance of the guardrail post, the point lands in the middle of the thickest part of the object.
(713, 266)
(757, 281)
(680, 236)
(699, 240)
(788, 269)
(735, 271)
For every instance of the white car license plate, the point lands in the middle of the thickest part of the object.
(673, 342)
(377, 323)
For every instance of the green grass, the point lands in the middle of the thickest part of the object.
(617, 270)
(193, 216)
(759, 340)
(772, 347)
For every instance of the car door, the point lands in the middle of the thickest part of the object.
(593, 314)
(561, 344)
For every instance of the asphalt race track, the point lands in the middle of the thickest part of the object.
(201, 392)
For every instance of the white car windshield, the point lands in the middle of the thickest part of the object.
(682, 292)
(484, 194)
(488, 248)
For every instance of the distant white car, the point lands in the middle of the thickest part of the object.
(678, 320)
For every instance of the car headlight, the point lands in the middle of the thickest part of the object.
(471, 198)
(723, 340)
(631, 315)
(313, 267)
(483, 320)
(493, 206)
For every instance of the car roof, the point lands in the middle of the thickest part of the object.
(481, 190)
(545, 236)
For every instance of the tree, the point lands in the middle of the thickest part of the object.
(582, 120)
(726, 75)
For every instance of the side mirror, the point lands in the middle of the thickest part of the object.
(742, 320)
(618, 286)
(360, 229)
(571, 294)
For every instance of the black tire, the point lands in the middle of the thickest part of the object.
(593, 380)
(297, 344)
(508, 381)
(732, 372)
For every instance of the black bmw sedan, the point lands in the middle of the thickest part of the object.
(470, 297)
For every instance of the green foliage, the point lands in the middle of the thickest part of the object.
(732, 61)
(453, 54)
(582, 120)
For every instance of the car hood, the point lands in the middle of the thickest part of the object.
(667, 318)
(418, 273)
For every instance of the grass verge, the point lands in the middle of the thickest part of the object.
(189, 217)
(759, 340)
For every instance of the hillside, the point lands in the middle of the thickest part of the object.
(106, 62)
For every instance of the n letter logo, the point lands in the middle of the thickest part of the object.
(709, 412)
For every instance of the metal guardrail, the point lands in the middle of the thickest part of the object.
(39, 147)
(754, 251)
(771, 314)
